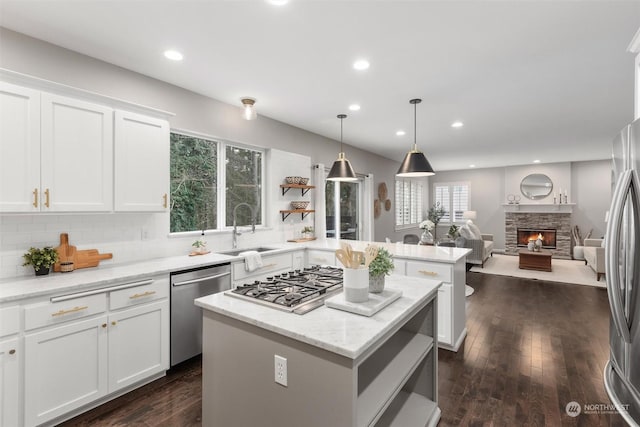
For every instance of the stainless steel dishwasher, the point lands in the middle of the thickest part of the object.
(186, 317)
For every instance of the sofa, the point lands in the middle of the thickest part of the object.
(481, 244)
(594, 255)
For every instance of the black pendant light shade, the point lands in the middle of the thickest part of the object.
(415, 164)
(341, 169)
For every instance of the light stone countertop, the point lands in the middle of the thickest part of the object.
(338, 331)
(399, 250)
(111, 274)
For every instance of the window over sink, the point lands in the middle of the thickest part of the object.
(209, 177)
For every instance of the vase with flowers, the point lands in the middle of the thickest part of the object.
(426, 226)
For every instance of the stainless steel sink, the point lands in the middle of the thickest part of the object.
(237, 252)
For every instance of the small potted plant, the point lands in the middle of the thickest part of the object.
(307, 232)
(381, 266)
(200, 245)
(41, 259)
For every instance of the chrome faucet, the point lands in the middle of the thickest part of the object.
(236, 233)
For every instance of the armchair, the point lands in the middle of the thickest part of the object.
(481, 245)
(594, 256)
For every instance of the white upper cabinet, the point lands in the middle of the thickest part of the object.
(19, 148)
(56, 153)
(141, 163)
(76, 155)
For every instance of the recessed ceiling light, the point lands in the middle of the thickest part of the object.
(278, 2)
(401, 133)
(457, 124)
(472, 166)
(536, 161)
(174, 55)
(354, 107)
(361, 64)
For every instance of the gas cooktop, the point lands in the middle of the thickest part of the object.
(297, 291)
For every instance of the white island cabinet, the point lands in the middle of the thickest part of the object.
(342, 369)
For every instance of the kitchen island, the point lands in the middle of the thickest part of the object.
(342, 369)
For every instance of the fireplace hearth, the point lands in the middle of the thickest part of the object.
(538, 221)
(547, 235)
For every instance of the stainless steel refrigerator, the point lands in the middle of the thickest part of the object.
(622, 263)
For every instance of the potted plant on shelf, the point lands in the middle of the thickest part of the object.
(41, 259)
(381, 266)
(307, 232)
(200, 244)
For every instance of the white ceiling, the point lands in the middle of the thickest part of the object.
(530, 79)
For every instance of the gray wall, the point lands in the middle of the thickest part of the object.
(192, 111)
(591, 185)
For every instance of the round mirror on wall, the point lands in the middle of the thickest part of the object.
(536, 186)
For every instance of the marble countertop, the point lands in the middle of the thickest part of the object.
(399, 250)
(109, 274)
(338, 331)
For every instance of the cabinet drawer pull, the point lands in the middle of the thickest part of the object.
(46, 197)
(12, 351)
(428, 273)
(73, 310)
(146, 294)
(320, 259)
(164, 201)
(35, 197)
(104, 325)
(113, 323)
(268, 266)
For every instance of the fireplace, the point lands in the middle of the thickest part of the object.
(548, 236)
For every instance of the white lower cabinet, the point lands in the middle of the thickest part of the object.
(444, 314)
(316, 257)
(65, 368)
(138, 344)
(451, 299)
(91, 350)
(9, 382)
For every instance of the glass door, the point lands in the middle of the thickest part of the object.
(343, 209)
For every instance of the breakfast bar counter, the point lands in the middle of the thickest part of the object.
(340, 368)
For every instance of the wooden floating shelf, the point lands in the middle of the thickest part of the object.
(303, 212)
(302, 239)
(304, 188)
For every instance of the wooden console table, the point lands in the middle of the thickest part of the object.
(531, 260)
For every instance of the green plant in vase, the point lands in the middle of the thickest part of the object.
(435, 214)
(381, 266)
(40, 259)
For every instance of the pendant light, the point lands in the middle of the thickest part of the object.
(415, 164)
(249, 111)
(341, 169)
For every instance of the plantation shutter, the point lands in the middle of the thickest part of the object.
(441, 196)
(460, 201)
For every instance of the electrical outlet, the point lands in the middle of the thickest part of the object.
(280, 370)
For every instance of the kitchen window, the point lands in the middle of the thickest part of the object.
(454, 198)
(209, 178)
(409, 196)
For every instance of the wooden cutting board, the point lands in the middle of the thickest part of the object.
(80, 259)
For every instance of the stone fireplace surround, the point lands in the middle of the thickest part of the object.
(558, 220)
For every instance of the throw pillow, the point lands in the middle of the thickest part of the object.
(475, 231)
(465, 232)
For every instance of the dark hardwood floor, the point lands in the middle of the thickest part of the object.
(532, 347)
